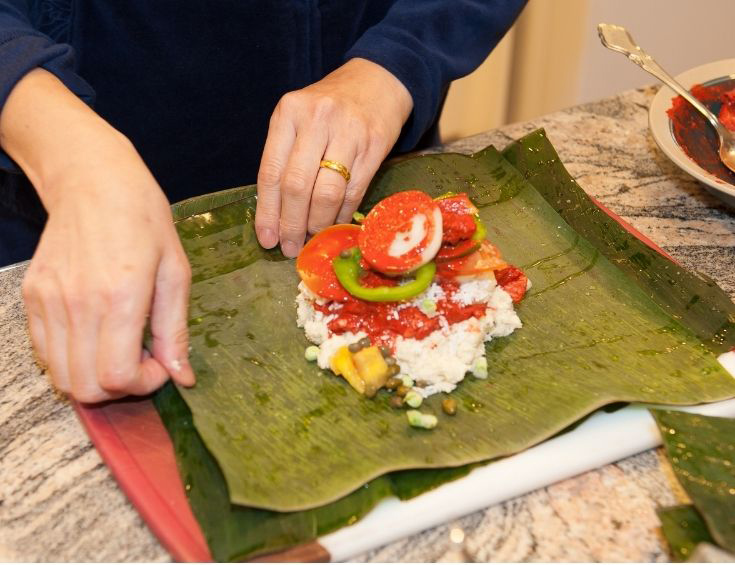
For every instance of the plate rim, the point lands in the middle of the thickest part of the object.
(659, 122)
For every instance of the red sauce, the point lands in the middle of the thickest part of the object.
(694, 134)
(513, 281)
(457, 227)
(379, 322)
(727, 111)
(457, 218)
(373, 279)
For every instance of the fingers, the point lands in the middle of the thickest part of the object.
(278, 144)
(56, 361)
(330, 186)
(364, 168)
(37, 331)
(169, 319)
(83, 328)
(47, 325)
(120, 365)
(91, 340)
(297, 185)
(322, 121)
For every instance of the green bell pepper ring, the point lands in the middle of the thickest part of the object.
(446, 195)
(347, 268)
(480, 230)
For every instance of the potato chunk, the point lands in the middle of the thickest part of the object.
(372, 367)
(342, 365)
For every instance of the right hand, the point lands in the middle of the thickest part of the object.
(108, 259)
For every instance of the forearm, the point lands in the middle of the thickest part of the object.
(49, 132)
(108, 259)
(428, 44)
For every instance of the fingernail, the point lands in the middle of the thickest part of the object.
(267, 237)
(289, 248)
(182, 372)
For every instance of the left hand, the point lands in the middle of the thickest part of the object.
(352, 116)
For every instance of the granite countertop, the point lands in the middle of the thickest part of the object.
(58, 502)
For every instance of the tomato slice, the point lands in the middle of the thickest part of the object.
(457, 204)
(450, 252)
(477, 265)
(401, 233)
(314, 263)
(458, 218)
(513, 281)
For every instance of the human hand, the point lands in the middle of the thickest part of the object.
(109, 256)
(352, 116)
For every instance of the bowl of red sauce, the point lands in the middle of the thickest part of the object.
(686, 137)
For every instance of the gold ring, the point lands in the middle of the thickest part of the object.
(338, 167)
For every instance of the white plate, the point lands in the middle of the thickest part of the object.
(660, 126)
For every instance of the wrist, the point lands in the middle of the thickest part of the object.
(54, 137)
(82, 161)
(386, 84)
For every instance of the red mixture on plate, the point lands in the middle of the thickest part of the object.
(695, 135)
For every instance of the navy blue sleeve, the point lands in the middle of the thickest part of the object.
(23, 48)
(428, 43)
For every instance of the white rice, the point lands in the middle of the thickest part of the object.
(441, 359)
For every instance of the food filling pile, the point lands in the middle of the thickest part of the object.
(405, 299)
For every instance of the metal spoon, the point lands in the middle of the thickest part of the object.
(618, 39)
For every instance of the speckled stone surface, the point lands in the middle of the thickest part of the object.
(58, 502)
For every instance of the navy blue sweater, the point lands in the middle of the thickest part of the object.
(193, 83)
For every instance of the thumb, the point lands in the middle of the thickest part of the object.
(169, 317)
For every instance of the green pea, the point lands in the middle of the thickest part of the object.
(428, 306)
(311, 353)
(479, 369)
(413, 399)
(419, 420)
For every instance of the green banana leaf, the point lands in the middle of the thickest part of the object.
(236, 533)
(701, 450)
(690, 297)
(597, 329)
(683, 529)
